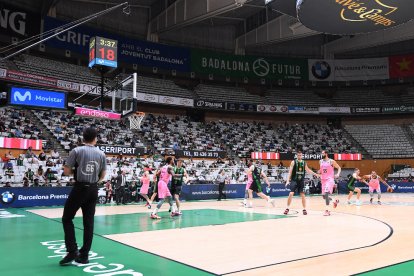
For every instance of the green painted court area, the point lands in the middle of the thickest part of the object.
(401, 269)
(140, 222)
(33, 245)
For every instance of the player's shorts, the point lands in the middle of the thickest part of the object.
(163, 190)
(256, 186)
(248, 184)
(327, 185)
(176, 189)
(350, 188)
(297, 186)
(155, 188)
(373, 189)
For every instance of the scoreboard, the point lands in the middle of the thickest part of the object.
(103, 52)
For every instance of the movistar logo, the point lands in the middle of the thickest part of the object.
(22, 98)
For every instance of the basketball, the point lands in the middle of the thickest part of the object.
(390, 190)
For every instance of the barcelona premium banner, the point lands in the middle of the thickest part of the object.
(208, 62)
(349, 69)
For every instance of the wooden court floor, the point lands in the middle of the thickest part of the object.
(224, 238)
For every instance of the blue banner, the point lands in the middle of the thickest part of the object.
(37, 98)
(34, 196)
(129, 51)
(210, 191)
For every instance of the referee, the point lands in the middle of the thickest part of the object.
(88, 164)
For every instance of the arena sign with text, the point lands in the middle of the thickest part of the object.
(346, 17)
(99, 114)
(208, 104)
(200, 154)
(364, 110)
(117, 150)
(398, 109)
(207, 62)
(349, 69)
(306, 156)
(37, 98)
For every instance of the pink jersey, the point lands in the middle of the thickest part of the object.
(327, 169)
(145, 179)
(165, 176)
(374, 182)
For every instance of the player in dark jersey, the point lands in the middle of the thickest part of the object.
(177, 183)
(351, 186)
(254, 175)
(155, 190)
(296, 179)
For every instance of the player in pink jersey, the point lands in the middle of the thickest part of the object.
(327, 172)
(248, 184)
(163, 191)
(374, 185)
(145, 180)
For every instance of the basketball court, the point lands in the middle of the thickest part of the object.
(220, 238)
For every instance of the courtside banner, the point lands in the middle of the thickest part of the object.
(210, 191)
(272, 108)
(92, 113)
(117, 150)
(199, 153)
(349, 69)
(18, 143)
(33, 196)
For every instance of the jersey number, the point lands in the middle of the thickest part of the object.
(325, 171)
(90, 168)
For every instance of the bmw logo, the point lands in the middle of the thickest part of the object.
(7, 198)
(321, 70)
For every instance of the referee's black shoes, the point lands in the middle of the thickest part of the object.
(71, 256)
(82, 259)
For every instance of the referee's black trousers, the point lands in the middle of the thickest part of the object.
(221, 188)
(83, 197)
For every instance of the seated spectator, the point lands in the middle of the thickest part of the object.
(29, 175)
(54, 154)
(7, 185)
(50, 163)
(49, 176)
(19, 161)
(40, 171)
(29, 153)
(9, 172)
(18, 133)
(26, 183)
(42, 156)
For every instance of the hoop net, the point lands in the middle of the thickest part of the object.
(135, 120)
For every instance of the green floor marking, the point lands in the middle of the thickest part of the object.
(402, 269)
(140, 222)
(32, 245)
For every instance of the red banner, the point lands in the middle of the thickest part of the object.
(348, 156)
(18, 143)
(265, 155)
(401, 66)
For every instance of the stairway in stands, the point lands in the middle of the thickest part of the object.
(363, 151)
(49, 136)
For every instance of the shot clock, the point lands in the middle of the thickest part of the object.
(103, 52)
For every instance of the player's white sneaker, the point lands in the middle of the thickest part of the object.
(272, 201)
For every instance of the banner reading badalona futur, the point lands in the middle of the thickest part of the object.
(254, 67)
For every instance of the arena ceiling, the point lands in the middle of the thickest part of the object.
(236, 26)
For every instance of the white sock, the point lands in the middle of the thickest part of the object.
(155, 211)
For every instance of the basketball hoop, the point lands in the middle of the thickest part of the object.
(135, 120)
